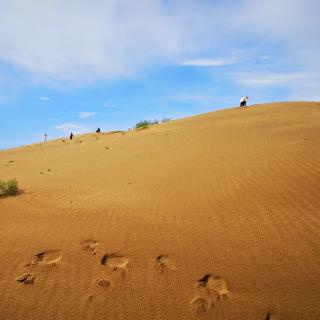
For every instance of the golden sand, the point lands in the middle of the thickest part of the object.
(210, 217)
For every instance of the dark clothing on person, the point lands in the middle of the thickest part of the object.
(98, 130)
(71, 136)
(243, 101)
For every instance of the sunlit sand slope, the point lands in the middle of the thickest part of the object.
(210, 217)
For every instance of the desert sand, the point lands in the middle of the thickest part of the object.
(214, 216)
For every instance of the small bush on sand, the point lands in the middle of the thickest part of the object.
(165, 120)
(142, 125)
(9, 188)
(2, 188)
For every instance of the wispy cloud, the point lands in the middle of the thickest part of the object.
(75, 128)
(117, 39)
(85, 114)
(108, 104)
(109, 39)
(265, 79)
(298, 85)
(43, 98)
(210, 62)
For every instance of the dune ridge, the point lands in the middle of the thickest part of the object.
(209, 217)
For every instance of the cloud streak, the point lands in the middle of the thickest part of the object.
(85, 114)
(211, 62)
(75, 128)
(43, 98)
(108, 104)
(263, 79)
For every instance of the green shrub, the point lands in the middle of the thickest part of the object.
(165, 120)
(2, 188)
(9, 188)
(12, 187)
(142, 125)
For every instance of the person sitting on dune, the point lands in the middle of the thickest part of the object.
(243, 101)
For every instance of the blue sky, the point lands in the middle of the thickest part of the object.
(76, 65)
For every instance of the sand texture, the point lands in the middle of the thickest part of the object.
(210, 217)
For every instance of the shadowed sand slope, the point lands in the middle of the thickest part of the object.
(210, 217)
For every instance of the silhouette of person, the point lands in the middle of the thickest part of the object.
(71, 136)
(98, 130)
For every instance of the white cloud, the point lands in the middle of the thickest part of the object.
(289, 26)
(85, 114)
(211, 62)
(43, 98)
(108, 104)
(80, 41)
(303, 85)
(72, 127)
(273, 78)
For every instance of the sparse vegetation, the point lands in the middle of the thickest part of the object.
(8, 188)
(144, 124)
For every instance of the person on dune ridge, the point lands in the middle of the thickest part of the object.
(243, 101)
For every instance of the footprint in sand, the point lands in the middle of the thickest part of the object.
(91, 246)
(214, 284)
(46, 171)
(115, 261)
(103, 283)
(211, 290)
(270, 316)
(200, 305)
(26, 278)
(46, 258)
(164, 264)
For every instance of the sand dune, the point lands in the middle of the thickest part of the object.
(209, 217)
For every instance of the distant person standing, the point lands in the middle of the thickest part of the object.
(71, 136)
(45, 137)
(98, 130)
(243, 101)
